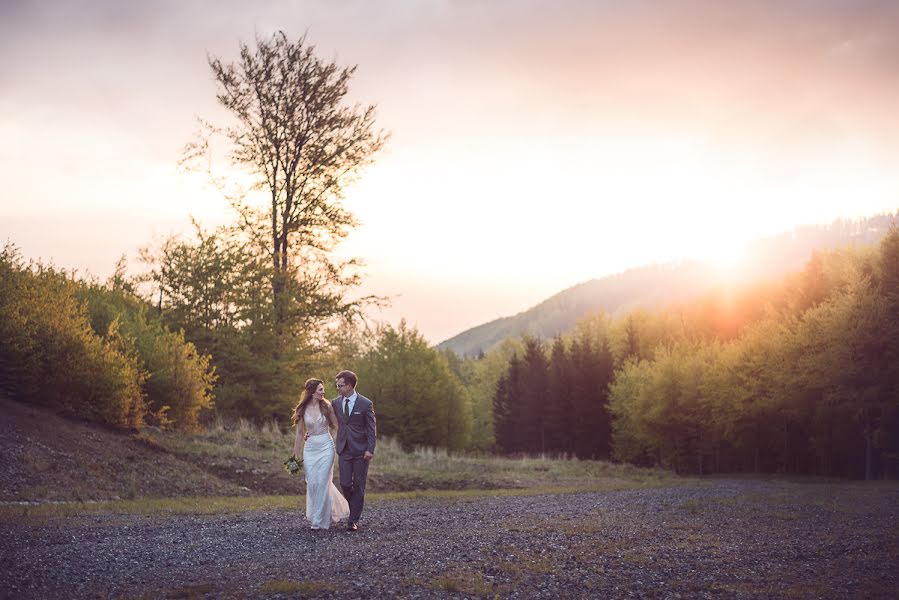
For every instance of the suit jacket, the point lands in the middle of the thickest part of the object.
(356, 434)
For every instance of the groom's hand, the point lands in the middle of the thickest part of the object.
(367, 455)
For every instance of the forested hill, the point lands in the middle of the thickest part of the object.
(651, 286)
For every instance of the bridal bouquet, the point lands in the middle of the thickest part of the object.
(293, 465)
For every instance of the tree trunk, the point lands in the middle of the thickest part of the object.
(277, 283)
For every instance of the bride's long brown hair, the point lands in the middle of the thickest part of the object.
(309, 389)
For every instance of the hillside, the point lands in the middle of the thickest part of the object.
(49, 457)
(659, 285)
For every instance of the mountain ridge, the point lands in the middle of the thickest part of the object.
(651, 286)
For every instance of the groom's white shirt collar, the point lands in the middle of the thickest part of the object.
(352, 399)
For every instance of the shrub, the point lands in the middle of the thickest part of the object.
(179, 379)
(50, 355)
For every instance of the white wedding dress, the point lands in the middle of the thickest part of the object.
(324, 502)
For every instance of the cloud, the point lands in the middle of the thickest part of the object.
(745, 73)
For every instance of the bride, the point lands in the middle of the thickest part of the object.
(313, 416)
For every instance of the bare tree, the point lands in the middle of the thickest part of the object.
(302, 143)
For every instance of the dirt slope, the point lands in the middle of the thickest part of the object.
(47, 457)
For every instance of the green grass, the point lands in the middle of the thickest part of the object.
(240, 504)
(437, 466)
(269, 443)
(191, 592)
(153, 506)
(395, 468)
(463, 582)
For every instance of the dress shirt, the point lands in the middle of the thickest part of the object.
(352, 400)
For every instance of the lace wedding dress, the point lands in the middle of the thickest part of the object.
(324, 502)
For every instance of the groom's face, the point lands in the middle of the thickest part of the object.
(344, 389)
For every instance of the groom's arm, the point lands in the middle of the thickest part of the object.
(371, 427)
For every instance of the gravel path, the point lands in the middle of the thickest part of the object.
(719, 539)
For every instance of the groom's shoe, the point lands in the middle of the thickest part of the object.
(352, 526)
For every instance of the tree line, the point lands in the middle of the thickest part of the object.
(797, 376)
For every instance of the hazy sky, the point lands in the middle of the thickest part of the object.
(535, 144)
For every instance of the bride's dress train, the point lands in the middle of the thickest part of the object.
(325, 504)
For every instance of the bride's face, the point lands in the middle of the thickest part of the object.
(319, 392)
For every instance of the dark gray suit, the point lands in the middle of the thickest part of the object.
(355, 436)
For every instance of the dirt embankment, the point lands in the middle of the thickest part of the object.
(49, 457)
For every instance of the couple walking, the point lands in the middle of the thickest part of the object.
(353, 416)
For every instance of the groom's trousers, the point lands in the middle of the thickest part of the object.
(353, 473)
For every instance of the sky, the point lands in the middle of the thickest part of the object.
(535, 144)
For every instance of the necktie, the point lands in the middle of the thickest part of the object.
(346, 408)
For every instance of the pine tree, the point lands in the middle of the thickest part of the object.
(581, 397)
(506, 407)
(501, 428)
(601, 375)
(558, 408)
(531, 406)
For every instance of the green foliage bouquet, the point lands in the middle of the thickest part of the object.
(293, 465)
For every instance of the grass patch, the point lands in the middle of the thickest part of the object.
(636, 557)
(521, 563)
(587, 523)
(692, 506)
(394, 468)
(241, 504)
(693, 541)
(436, 467)
(456, 495)
(286, 586)
(191, 592)
(816, 590)
(463, 582)
(789, 500)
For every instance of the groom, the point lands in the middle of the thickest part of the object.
(356, 434)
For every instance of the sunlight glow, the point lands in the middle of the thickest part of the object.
(728, 255)
(619, 143)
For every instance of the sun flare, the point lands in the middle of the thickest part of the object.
(727, 254)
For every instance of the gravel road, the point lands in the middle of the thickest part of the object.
(717, 539)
